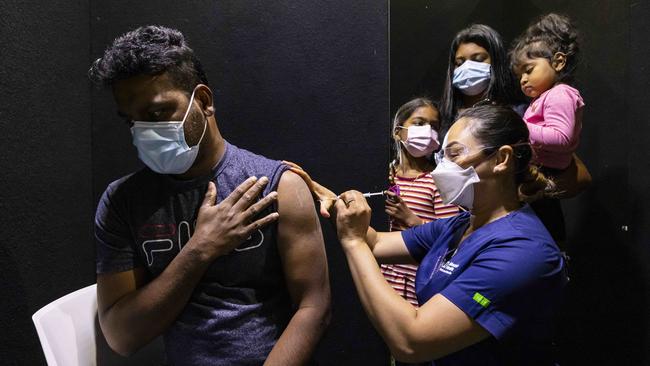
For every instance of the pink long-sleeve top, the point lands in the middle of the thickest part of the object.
(554, 120)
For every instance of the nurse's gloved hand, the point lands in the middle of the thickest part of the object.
(352, 218)
(326, 198)
(323, 195)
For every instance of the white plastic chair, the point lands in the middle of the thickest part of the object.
(66, 328)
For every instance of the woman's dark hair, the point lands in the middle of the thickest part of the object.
(149, 50)
(402, 114)
(502, 88)
(496, 126)
(545, 37)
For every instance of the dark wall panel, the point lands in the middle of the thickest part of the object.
(605, 319)
(637, 244)
(46, 200)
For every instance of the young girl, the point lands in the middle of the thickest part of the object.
(544, 58)
(415, 134)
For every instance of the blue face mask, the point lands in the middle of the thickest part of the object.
(472, 78)
(162, 147)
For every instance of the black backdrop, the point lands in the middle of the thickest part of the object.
(309, 82)
(606, 318)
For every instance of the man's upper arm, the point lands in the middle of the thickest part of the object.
(300, 243)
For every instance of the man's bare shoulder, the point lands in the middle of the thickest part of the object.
(295, 202)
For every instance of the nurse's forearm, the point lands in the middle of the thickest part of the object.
(371, 238)
(390, 314)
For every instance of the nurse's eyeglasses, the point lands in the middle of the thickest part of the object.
(455, 151)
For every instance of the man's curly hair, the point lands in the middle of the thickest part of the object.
(149, 50)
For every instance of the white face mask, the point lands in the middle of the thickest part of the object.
(420, 140)
(472, 78)
(162, 147)
(455, 184)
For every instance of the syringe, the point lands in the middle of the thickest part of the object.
(366, 195)
(370, 194)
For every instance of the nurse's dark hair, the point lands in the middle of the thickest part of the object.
(496, 126)
(549, 34)
(402, 114)
(503, 88)
(149, 50)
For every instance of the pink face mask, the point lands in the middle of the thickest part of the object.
(421, 141)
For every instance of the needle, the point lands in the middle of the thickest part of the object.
(368, 194)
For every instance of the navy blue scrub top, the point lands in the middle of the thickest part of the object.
(508, 276)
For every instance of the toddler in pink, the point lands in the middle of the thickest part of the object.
(544, 58)
(554, 120)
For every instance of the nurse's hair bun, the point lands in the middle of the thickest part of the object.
(537, 185)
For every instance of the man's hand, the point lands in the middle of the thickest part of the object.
(220, 228)
(397, 209)
(352, 217)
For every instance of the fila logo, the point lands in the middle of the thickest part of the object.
(158, 245)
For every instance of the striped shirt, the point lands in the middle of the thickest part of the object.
(422, 197)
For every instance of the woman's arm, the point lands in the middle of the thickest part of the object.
(568, 184)
(388, 248)
(574, 179)
(436, 329)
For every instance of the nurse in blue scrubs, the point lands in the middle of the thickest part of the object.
(489, 279)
